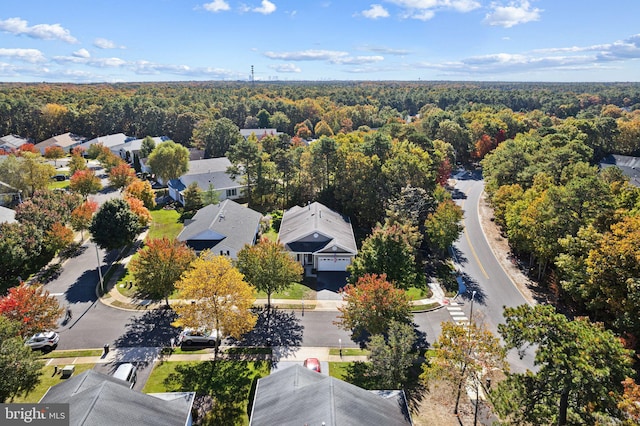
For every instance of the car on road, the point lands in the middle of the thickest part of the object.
(190, 336)
(59, 178)
(312, 364)
(46, 341)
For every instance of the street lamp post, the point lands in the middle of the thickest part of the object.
(473, 295)
(99, 269)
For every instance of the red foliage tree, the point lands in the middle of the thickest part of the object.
(32, 307)
(81, 216)
(28, 147)
(484, 145)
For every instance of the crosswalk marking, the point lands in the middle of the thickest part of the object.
(457, 314)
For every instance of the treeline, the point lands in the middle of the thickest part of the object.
(576, 226)
(40, 111)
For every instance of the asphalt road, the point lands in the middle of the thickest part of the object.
(480, 269)
(94, 324)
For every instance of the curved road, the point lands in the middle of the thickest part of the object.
(480, 269)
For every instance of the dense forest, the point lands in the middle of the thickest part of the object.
(381, 153)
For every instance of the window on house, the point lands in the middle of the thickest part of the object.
(232, 192)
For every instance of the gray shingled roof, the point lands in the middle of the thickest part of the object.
(299, 222)
(227, 222)
(13, 141)
(299, 396)
(630, 166)
(96, 399)
(7, 215)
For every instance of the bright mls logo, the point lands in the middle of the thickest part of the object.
(34, 414)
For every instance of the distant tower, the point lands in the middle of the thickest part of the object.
(252, 78)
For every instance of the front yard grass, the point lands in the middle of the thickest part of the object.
(48, 379)
(296, 291)
(231, 384)
(418, 293)
(164, 223)
(71, 354)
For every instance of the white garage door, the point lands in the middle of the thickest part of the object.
(333, 263)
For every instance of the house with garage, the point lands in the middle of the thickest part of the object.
(318, 237)
(11, 143)
(67, 142)
(224, 228)
(128, 149)
(299, 396)
(108, 141)
(97, 399)
(208, 173)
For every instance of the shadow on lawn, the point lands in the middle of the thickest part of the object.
(275, 327)
(223, 388)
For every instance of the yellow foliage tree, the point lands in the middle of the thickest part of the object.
(218, 298)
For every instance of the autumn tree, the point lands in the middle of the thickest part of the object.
(580, 368)
(32, 307)
(216, 136)
(54, 153)
(223, 300)
(443, 227)
(58, 237)
(85, 182)
(159, 265)
(169, 161)
(34, 173)
(22, 252)
(462, 353)
(245, 157)
(141, 189)
(268, 267)
(114, 225)
(20, 368)
(138, 208)
(392, 355)
(387, 251)
(47, 207)
(371, 304)
(81, 216)
(121, 175)
(76, 163)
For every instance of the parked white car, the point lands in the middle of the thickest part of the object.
(44, 341)
(190, 336)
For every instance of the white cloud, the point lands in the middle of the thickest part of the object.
(27, 55)
(518, 12)
(426, 9)
(358, 60)
(307, 55)
(287, 68)
(82, 53)
(216, 6)
(103, 43)
(19, 26)
(266, 8)
(375, 11)
(386, 50)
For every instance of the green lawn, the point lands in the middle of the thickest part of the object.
(58, 185)
(349, 351)
(164, 223)
(416, 293)
(296, 292)
(230, 383)
(47, 380)
(72, 354)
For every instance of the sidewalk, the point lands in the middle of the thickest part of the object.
(280, 354)
(117, 300)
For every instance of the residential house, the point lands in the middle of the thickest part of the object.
(298, 396)
(260, 133)
(224, 228)
(96, 399)
(630, 166)
(207, 173)
(318, 237)
(7, 215)
(130, 148)
(108, 141)
(67, 142)
(10, 143)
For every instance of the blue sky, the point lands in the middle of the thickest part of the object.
(177, 40)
